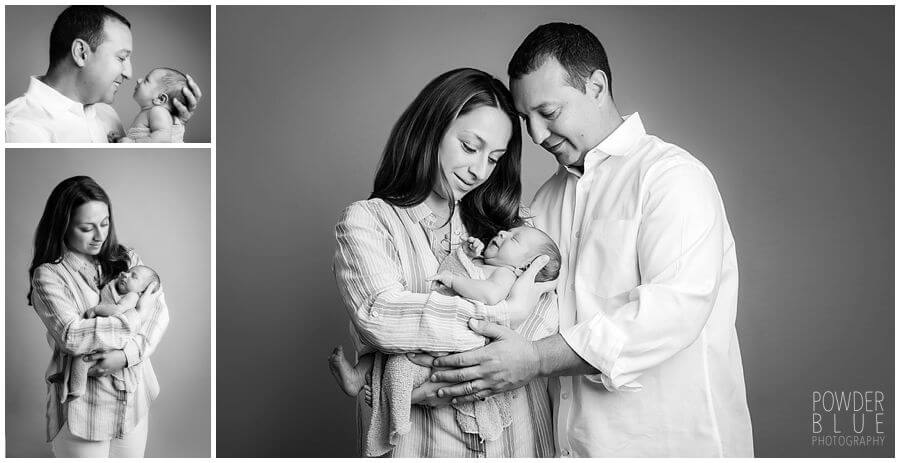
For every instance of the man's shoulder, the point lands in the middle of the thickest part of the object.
(661, 156)
(26, 122)
(22, 108)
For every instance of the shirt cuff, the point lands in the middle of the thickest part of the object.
(599, 342)
(132, 353)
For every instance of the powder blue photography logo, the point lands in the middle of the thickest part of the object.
(848, 419)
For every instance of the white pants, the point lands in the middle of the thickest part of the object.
(66, 445)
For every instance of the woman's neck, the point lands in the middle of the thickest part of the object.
(82, 257)
(438, 205)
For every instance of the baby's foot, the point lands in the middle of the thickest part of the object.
(350, 380)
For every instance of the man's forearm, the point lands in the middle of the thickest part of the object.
(558, 359)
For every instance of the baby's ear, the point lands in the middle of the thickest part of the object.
(161, 99)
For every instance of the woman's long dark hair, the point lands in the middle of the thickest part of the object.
(409, 168)
(50, 237)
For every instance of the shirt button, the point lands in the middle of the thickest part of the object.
(578, 235)
(572, 286)
(565, 396)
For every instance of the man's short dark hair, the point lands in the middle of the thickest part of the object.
(578, 51)
(83, 22)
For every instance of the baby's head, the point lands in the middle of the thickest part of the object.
(136, 279)
(519, 246)
(159, 88)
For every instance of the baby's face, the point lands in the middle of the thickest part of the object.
(148, 88)
(516, 247)
(134, 280)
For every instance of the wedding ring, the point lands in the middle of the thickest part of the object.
(469, 388)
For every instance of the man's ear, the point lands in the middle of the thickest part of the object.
(596, 84)
(80, 52)
(161, 99)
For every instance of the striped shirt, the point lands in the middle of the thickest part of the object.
(111, 405)
(384, 253)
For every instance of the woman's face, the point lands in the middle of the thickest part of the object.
(88, 228)
(471, 147)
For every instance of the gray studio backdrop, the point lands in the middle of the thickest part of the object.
(791, 108)
(163, 36)
(161, 205)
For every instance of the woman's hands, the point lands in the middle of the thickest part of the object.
(427, 393)
(525, 293)
(107, 362)
(149, 297)
(192, 96)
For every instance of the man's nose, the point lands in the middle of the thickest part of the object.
(538, 131)
(126, 69)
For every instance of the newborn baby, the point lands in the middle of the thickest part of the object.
(118, 295)
(485, 274)
(158, 122)
(502, 261)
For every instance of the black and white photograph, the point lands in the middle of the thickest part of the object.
(108, 315)
(554, 231)
(97, 74)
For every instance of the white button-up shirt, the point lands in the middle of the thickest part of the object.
(44, 115)
(648, 296)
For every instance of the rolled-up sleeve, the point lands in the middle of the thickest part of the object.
(680, 254)
(386, 316)
(75, 335)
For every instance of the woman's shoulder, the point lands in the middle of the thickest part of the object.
(47, 271)
(366, 210)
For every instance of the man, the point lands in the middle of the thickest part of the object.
(90, 58)
(647, 351)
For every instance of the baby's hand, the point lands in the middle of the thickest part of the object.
(445, 278)
(476, 247)
(125, 140)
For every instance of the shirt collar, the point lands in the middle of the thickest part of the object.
(618, 143)
(50, 98)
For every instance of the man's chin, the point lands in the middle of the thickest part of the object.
(108, 98)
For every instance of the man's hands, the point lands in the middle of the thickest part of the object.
(107, 362)
(508, 362)
(192, 96)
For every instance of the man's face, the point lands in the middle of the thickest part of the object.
(559, 117)
(109, 65)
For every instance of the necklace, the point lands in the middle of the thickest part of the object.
(453, 236)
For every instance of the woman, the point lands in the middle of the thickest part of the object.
(450, 170)
(75, 253)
